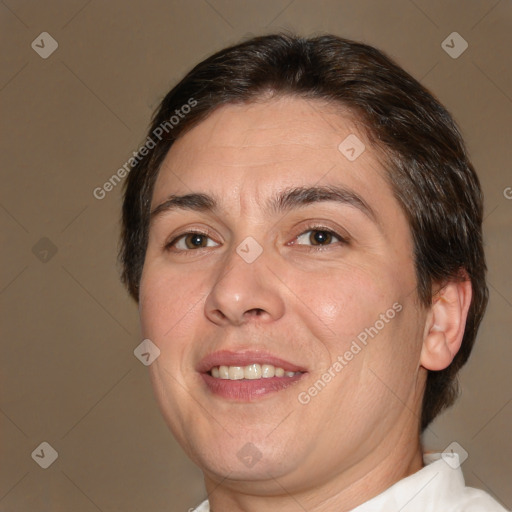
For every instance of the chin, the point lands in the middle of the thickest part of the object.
(240, 459)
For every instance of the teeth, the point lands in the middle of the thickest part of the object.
(250, 372)
(267, 371)
(253, 371)
(236, 372)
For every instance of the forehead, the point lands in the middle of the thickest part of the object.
(238, 132)
(253, 149)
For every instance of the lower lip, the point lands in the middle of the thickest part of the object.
(244, 390)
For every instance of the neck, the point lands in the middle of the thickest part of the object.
(397, 458)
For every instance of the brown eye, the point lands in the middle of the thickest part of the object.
(190, 241)
(318, 237)
(193, 240)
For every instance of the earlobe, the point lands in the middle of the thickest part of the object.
(444, 328)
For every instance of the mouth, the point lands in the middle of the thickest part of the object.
(252, 371)
(246, 376)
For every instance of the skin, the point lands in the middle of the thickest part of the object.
(302, 302)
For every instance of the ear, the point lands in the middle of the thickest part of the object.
(446, 321)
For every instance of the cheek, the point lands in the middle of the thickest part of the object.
(166, 300)
(343, 301)
(392, 362)
(358, 302)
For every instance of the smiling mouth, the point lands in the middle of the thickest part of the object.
(247, 375)
(254, 371)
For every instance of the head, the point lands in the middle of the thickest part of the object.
(257, 127)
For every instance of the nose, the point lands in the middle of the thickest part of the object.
(245, 292)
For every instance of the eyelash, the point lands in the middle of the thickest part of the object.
(341, 240)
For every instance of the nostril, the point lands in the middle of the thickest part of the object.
(219, 314)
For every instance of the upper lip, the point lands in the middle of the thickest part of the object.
(245, 358)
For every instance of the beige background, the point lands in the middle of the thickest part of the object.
(69, 376)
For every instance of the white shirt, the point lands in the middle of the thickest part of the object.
(437, 487)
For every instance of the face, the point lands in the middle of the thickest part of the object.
(282, 298)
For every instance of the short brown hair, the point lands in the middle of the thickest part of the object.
(427, 163)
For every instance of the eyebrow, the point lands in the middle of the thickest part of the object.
(283, 201)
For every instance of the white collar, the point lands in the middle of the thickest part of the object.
(427, 490)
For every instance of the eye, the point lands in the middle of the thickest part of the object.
(315, 236)
(319, 236)
(190, 241)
